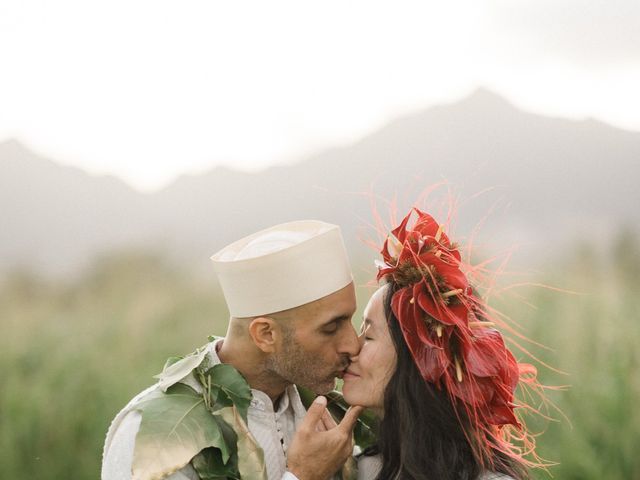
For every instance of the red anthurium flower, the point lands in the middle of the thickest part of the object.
(385, 252)
(428, 227)
(400, 231)
(474, 391)
(449, 273)
(383, 272)
(408, 254)
(401, 306)
(502, 415)
(485, 354)
(456, 315)
(425, 325)
(424, 345)
(424, 297)
(449, 255)
(432, 362)
(425, 224)
(510, 371)
(412, 319)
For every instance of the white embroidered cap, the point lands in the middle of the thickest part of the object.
(282, 267)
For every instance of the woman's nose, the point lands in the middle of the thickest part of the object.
(351, 341)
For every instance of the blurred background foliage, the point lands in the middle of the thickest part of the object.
(72, 355)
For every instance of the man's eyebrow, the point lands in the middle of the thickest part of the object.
(337, 319)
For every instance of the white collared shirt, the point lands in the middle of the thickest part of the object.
(273, 430)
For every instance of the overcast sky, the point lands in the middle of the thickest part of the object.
(148, 90)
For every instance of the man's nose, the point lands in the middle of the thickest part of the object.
(350, 343)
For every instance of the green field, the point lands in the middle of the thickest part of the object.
(72, 355)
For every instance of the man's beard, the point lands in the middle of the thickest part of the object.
(297, 366)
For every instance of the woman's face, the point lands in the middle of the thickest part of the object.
(370, 371)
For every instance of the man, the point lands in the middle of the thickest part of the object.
(291, 297)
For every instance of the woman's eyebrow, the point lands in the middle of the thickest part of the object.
(368, 323)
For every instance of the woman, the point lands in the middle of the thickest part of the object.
(434, 370)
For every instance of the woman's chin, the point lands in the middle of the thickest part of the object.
(351, 400)
(350, 395)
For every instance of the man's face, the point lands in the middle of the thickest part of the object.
(317, 341)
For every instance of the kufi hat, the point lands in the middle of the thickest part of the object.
(282, 267)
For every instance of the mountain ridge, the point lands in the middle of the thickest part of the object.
(558, 178)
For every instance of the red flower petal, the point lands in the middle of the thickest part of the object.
(425, 334)
(426, 224)
(431, 362)
(385, 251)
(476, 391)
(485, 353)
(455, 315)
(383, 272)
(400, 305)
(428, 304)
(502, 415)
(400, 232)
(450, 273)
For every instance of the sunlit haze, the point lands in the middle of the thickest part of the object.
(148, 90)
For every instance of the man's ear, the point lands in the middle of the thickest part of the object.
(264, 332)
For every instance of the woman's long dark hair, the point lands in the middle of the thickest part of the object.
(421, 436)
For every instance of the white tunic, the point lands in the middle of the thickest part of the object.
(272, 430)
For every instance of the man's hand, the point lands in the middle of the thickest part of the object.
(320, 446)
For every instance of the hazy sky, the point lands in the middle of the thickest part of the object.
(147, 90)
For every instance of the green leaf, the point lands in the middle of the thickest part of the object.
(250, 456)
(174, 372)
(364, 435)
(209, 464)
(364, 431)
(170, 361)
(306, 396)
(228, 387)
(175, 427)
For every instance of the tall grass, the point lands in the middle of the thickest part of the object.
(595, 339)
(71, 355)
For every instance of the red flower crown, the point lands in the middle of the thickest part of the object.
(449, 331)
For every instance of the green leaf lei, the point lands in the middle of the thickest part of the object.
(208, 429)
